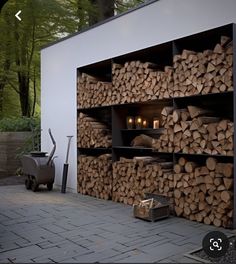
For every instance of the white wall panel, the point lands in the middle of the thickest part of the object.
(156, 23)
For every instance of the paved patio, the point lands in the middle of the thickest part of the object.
(71, 228)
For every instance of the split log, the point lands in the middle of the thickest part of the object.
(197, 111)
(211, 163)
(190, 166)
(142, 141)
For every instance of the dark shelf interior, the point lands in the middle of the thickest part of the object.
(94, 151)
(129, 152)
(92, 109)
(160, 54)
(201, 158)
(220, 103)
(100, 70)
(202, 41)
(132, 148)
(144, 130)
(101, 114)
(123, 136)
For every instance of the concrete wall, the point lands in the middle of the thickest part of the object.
(158, 22)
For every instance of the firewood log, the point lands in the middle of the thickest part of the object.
(95, 176)
(92, 133)
(142, 141)
(204, 194)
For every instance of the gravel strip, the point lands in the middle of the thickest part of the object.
(229, 257)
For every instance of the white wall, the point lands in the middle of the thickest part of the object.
(161, 21)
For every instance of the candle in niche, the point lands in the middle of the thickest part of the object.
(145, 123)
(138, 122)
(130, 122)
(156, 123)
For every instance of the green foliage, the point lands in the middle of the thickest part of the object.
(20, 43)
(22, 124)
(31, 144)
(18, 124)
(43, 21)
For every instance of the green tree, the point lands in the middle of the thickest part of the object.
(43, 21)
(90, 12)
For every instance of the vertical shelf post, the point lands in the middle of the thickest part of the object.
(234, 94)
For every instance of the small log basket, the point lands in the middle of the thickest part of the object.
(146, 211)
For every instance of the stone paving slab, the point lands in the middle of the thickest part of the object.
(50, 227)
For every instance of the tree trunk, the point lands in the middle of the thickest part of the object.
(2, 3)
(3, 82)
(22, 72)
(6, 65)
(23, 80)
(35, 93)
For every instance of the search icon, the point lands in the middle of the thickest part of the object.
(215, 244)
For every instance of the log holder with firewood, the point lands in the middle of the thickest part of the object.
(154, 207)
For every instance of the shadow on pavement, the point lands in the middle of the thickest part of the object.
(12, 180)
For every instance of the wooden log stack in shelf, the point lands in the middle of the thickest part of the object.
(165, 142)
(93, 91)
(196, 130)
(92, 134)
(204, 193)
(134, 177)
(199, 191)
(204, 72)
(95, 175)
(136, 81)
(192, 73)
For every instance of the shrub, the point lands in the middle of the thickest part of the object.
(18, 124)
(21, 124)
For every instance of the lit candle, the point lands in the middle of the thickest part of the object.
(138, 122)
(130, 122)
(145, 123)
(156, 123)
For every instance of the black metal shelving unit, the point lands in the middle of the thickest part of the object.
(224, 103)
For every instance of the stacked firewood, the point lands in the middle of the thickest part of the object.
(95, 175)
(137, 82)
(192, 73)
(166, 183)
(93, 92)
(204, 193)
(204, 72)
(196, 130)
(132, 178)
(92, 134)
(165, 142)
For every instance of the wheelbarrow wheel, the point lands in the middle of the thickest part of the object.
(49, 186)
(34, 185)
(27, 184)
